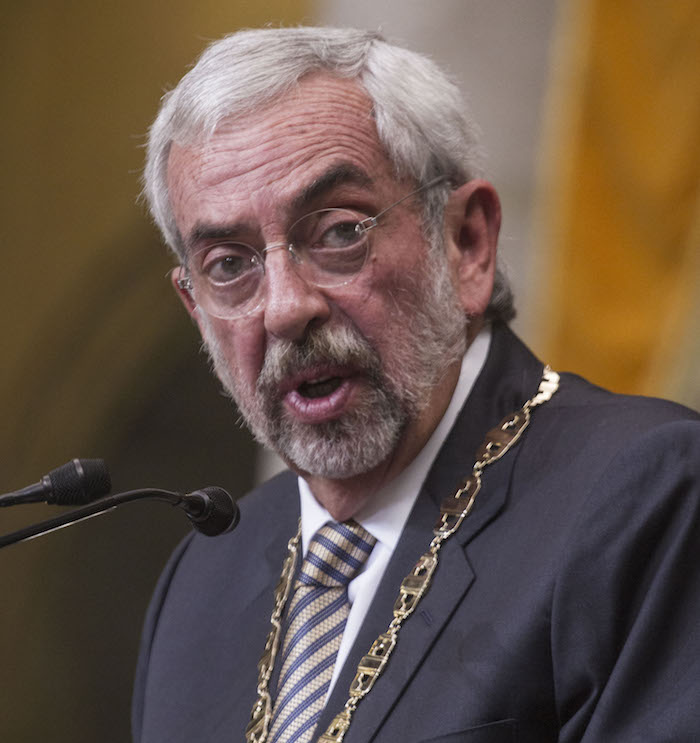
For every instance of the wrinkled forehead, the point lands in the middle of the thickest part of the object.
(265, 159)
(323, 117)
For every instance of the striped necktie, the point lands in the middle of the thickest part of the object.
(317, 616)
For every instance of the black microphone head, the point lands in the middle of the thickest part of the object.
(221, 514)
(78, 482)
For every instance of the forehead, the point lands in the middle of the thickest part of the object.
(260, 163)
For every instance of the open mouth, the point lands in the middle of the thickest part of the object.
(319, 387)
(321, 395)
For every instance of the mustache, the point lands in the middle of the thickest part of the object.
(341, 346)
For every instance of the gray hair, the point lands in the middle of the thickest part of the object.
(419, 113)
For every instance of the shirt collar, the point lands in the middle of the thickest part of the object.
(386, 513)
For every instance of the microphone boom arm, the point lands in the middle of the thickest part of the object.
(211, 511)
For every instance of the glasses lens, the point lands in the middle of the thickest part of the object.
(330, 245)
(226, 279)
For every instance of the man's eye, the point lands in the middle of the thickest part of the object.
(226, 265)
(339, 235)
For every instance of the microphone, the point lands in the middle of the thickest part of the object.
(72, 484)
(211, 510)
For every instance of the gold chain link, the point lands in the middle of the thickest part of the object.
(261, 714)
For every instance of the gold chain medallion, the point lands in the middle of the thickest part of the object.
(453, 511)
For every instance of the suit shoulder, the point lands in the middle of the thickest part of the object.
(584, 399)
(584, 428)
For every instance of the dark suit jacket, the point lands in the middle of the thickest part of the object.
(567, 607)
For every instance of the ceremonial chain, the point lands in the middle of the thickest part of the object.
(453, 510)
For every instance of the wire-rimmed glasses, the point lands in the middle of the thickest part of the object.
(328, 248)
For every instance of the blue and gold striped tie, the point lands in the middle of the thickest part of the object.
(317, 616)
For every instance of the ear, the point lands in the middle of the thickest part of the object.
(472, 223)
(185, 297)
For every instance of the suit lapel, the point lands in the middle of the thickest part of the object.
(510, 376)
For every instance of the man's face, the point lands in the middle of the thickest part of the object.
(333, 379)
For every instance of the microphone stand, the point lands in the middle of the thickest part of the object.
(203, 508)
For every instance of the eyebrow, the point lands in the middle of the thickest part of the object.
(337, 175)
(203, 231)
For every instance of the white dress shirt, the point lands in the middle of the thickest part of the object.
(385, 515)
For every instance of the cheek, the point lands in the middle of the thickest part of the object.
(395, 284)
(240, 344)
(379, 304)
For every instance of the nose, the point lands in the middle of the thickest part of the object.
(292, 305)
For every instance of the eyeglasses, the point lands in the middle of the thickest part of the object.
(328, 248)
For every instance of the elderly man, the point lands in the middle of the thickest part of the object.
(466, 546)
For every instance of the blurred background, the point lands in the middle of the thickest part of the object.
(590, 113)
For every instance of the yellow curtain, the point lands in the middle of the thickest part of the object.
(619, 202)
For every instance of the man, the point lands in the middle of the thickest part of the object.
(337, 251)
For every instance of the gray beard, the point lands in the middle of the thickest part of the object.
(368, 434)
